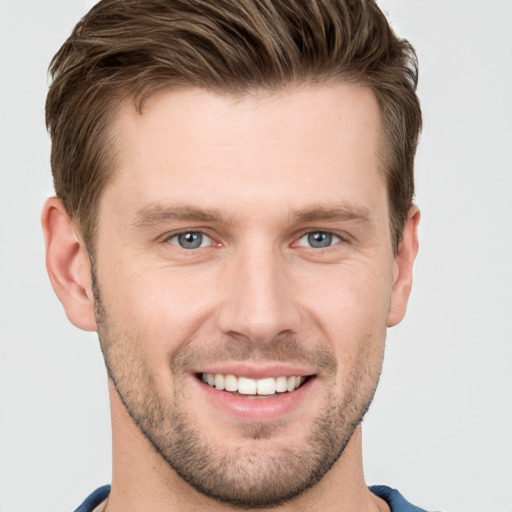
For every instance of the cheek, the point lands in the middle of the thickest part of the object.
(350, 311)
(161, 307)
(349, 299)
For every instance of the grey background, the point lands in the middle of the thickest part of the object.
(440, 428)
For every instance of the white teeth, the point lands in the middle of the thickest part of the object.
(230, 383)
(246, 386)
(281, 384)
(266, 386)
(219, 381)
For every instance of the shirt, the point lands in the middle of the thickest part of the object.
(396, 502)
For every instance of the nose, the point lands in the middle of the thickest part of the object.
(259, 299)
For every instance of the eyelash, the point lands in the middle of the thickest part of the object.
(333, 235)
(169, 238)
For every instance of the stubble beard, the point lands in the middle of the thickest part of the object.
(244, 478)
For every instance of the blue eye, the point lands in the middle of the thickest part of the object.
(319, 239)
(190, 240)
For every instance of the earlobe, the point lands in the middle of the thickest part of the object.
(402, 282)
(67, 264)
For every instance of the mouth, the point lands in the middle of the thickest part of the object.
(253, 388)
(257, 392)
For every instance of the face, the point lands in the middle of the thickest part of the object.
(243, 278)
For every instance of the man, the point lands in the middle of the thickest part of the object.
(234, 218)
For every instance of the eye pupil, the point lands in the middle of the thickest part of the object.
(320, 239)
(190, 240)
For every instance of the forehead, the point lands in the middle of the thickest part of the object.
(285, 146)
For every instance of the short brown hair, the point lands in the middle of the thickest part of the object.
(133, 48)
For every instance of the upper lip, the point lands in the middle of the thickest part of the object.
(257, 370)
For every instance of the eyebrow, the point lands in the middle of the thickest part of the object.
(157, 213)
(350, 212)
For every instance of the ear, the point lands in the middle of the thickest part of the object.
(68, 265)
(402, 276)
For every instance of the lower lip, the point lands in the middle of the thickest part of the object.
(266, 408)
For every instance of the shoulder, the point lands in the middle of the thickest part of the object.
(93, 500)
(396, 502)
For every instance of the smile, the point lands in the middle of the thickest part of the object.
(246, 386)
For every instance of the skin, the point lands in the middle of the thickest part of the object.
(267, 169)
